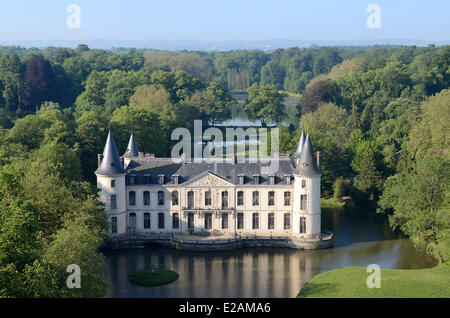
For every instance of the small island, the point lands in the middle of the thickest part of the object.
(150, 277)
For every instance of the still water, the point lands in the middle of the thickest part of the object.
(361, 238)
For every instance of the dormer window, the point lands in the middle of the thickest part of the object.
(287, 177)
(161, 179)
(271, 179)
(256, 178)
(133, 179)
(240, 179)
(175, 179)
(303, 183)
(147, 178)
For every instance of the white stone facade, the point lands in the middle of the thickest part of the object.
(280, 216)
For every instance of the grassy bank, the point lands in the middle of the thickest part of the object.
(331, 203)
(350, 282)
(148, 278)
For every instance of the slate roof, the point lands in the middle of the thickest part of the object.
(307, 165)
(301, 142)
(152, 167)
(111, 162)
(132, 149)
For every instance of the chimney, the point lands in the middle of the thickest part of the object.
(183, 159)
(99, 159)
(318, 159)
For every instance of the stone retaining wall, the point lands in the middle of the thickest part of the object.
(221, 244)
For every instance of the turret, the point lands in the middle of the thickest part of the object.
(299, 149)
(307, 175)
(111, 182)
(132, 151)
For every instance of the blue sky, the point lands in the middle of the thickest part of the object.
(212, 20)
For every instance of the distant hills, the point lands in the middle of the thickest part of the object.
(266, 45)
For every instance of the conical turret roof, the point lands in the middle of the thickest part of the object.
(301, 142)
(111, 163)
(307, 165)
(132, 149)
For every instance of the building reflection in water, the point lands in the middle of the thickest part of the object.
(241, 273)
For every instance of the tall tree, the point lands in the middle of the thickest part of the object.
(265, 103)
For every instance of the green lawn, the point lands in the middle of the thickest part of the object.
(147, 278)
(350, 282)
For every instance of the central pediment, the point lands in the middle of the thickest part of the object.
(208, 179)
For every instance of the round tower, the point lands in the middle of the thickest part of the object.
(111, 182)
(306, 208)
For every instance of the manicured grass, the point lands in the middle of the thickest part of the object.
(350, 282)
(147, 278)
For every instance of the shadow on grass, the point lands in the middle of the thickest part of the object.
(314, 289)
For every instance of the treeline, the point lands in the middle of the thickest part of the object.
(379, 116)
(381, 125)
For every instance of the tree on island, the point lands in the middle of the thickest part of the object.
(265, 103)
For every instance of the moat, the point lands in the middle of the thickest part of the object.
(360, 238)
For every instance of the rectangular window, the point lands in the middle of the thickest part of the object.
(272, 179)
(190, 199)
(161, 179)
(175, 198)
(190, 220)
(224, 199)
(114, 224)
(240, 221)
(113, 183)
(132, 198)
(208, 198)
(287, 221)
(303, 202)
(208, 221)
(271, 200)
(113, 202)
(288, 179)
(302, 225)
(146, 198)
(146, 220)
(175, 179)
(240, 198)
(240, 179)
(287, 198)
(303, 183)
(132, 220)
(271, 221)
(224, 220)
(176, 221)
(160, 220)
(147, 179)
(255, 200)
(160, 197)
(255, 221)
(256, 178)
(132, 179)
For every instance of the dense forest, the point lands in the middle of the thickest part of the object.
(378, 115)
